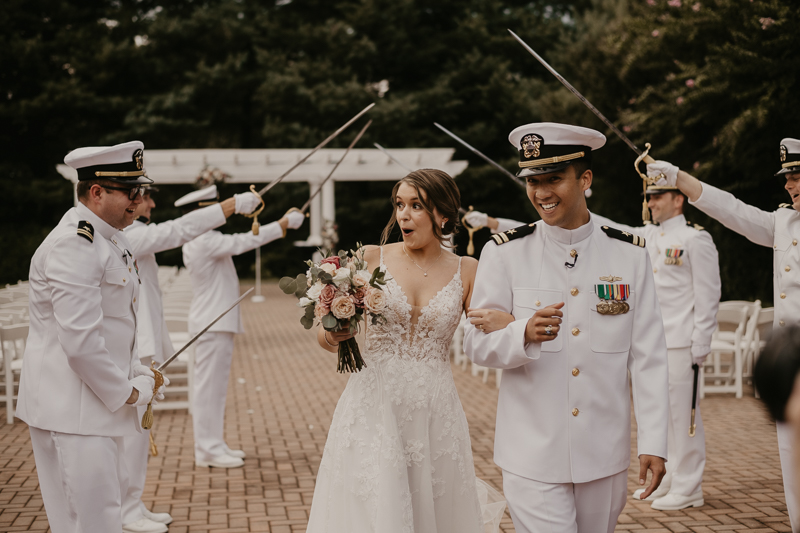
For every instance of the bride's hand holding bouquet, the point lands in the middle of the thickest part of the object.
(338, 293)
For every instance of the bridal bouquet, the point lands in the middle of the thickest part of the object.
(339, 292)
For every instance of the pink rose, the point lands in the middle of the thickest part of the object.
(655, 33)
(320, 311)
(343, 307)
(327, 295)
(690, 83)
(375, 300)
(359, 295)
(334, 260)
(679, 100)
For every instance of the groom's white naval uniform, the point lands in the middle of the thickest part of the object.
(563, 416)
(80, 363)
(779, 230)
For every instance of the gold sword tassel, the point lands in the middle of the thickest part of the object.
(254, 214)
(153, 448)
(470, 230)
(147, 418)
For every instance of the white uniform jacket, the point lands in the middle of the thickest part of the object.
(779, 230)
(213, 275)
(82, 342)
(564, 409)
(689, 289)
(147, 240)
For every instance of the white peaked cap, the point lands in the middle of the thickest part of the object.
(209, 194)
(792, 145)
(559, 134)
(91, 156)
(790, 156)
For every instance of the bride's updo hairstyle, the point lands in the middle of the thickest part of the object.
(435, 189)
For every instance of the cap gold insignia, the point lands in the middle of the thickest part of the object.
(138, 156)
(783, 153)
(530, 145)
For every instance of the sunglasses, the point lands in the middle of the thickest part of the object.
(133, 192)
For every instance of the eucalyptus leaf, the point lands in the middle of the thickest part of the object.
(288, 285)
(307, 322)
(329, 321)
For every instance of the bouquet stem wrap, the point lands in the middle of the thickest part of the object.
(350, 359)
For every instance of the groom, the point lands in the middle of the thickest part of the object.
(585, 314)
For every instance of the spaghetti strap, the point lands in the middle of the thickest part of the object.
(458, 272)
(381, 249)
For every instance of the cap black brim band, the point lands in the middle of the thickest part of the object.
(129, 169)
(549, 161)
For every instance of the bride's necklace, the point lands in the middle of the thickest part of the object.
(424, 270)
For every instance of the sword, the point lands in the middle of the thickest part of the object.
(358, 137)
(692, 425)
(480, 154)
(390, 156)
(147, 418)
(263, 191)
(643, 156)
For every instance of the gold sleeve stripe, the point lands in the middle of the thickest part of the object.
(86, 234)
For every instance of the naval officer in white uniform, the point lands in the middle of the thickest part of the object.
(209, 259)
(81, 380)
(153, 337)
(779, 230)
(686, 271)
(583, 313)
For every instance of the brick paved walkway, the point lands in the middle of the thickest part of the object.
(281, 398)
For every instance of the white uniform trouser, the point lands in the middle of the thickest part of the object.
(82, 478)
(686, 456)
(785, 437)
(137, 449)
(591, 507)
(212, 366)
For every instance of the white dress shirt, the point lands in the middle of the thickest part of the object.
(563, 415)
(147, 240)
(689, 292)
(779, 230)
(209, 259)
(82, 342)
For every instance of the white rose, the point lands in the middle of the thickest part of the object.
(314, 291)
(361, 278)
(304, 302)
(330, 268)
(342, 275)
(375, 301)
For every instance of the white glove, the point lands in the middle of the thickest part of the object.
(669, 170)
(295, 218)
(476, 219)
(246, 203)
(142, 370)
(144, 384)
(699, 354)
(160, 394)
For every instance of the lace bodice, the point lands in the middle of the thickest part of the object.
(428, 339)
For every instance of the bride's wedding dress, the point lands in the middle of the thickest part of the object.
(398, 457)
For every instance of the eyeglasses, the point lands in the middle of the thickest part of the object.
(133, 192)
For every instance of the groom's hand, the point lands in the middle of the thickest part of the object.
(536, 329)
(656, 466)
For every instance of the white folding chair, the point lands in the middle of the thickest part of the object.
(725, 374)
(12, 340)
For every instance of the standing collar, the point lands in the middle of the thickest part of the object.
(100, 225)
(569, 236)
(673, 222)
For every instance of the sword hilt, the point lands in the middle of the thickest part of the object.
(147, 417)
(254, 214)
(470, 230)
(646, 180)
(692, 426)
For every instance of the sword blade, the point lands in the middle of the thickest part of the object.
(358, 137)
(166, 363)
(480, 154)
(332, 136)
(574, 91)
(390, 156)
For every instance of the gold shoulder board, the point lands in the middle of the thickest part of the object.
(86, 230)
(614, 233)
(786, 205)
(516, 233)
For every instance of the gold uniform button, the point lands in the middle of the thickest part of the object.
(575, 412)
(781, 323)
(783, 296)
(575, 372)
(787, 269)
(134, 300)
(794, 242)
(538, 303)
(573, 291)
(123, 280)
(129, 269)
(655, 270)
(576, 331)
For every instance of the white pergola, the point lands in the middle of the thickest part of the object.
(261, 166)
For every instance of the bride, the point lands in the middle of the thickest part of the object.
(398, 457)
